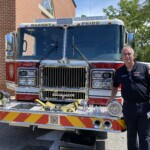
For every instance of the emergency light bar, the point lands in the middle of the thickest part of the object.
(66, 21)
(95, 20)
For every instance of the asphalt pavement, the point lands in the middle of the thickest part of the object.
(23, 138)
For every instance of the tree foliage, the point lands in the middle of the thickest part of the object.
(136, 17)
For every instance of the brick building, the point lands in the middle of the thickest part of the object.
(14, 12)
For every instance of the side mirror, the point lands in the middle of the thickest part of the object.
(9, 42)
(131, 39)
(9, 46)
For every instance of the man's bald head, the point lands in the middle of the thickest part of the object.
(128, 48)
(128, 55)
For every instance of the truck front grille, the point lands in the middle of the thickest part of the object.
(63, 82)
(63, 77)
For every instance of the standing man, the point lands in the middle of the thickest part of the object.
(134, 79)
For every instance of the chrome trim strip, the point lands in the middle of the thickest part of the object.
(102, 93)
(27, 90)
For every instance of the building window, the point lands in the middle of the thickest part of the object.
(47, 8)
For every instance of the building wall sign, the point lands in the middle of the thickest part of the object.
(47, 7)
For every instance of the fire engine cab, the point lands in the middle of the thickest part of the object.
(61, 71)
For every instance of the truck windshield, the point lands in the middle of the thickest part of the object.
(96, 42)
(37, 42)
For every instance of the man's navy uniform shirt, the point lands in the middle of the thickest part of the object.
(134, 83)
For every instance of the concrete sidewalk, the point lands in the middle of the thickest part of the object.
(116, 141)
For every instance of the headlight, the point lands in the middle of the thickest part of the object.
(102, 78)
(107, 84)
(31, 82)
(32, 73)
(26, 72)
(97, 84)
(101, 84)
(27, 77)
(107, 75)
(22, 81)
(115, 108)
(97, 74)
(102, 74)
(23, 73)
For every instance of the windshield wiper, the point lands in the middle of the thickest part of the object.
(51, 50)
(74, 47)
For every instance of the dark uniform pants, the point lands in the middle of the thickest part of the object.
(138, 125)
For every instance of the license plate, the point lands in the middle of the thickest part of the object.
(54, 120)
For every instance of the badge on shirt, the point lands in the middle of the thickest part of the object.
(136, 74)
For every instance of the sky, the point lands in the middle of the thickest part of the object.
(93, 7)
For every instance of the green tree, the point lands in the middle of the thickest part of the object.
(136, 17)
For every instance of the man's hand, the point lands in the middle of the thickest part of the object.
(113, 94)
(110, 100)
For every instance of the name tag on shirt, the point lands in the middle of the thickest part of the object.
(136, 74)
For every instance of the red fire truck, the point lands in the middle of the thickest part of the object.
(61, 71)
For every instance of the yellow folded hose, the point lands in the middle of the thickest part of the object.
(40, 102)
(50, 105)
(66, 108)
(70, 107)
